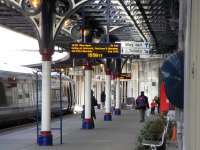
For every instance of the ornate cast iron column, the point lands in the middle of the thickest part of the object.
(47, 17)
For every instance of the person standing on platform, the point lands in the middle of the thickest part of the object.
(153, 106)
(142, 104)
(103, 98)
(157, 100)
(93, 104)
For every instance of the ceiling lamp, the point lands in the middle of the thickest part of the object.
(35, 3)
(67, 23)
(86, 32)
(31, 7)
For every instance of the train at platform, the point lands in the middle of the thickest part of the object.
(21, 94)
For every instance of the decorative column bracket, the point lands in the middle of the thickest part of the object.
(60, 12)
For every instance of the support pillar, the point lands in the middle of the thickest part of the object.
(113, 88)
(46, 44)
(108, 114)
(117, 106)
(88, 122)
(45, 138)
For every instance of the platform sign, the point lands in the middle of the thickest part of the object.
(95, 50)
(151, 56)
(154, 56)
(135, 48)
(125, 76)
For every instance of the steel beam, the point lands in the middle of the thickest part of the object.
(133, 20)
(146, 20)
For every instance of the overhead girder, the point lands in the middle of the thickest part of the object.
(140, 21)
(123, 13)
(24, 25)
(11, 18)
(146, 20)
(117, 15)
(133, 20)
(127, 34)
(114, 19)
(156, 13)
(34, 17)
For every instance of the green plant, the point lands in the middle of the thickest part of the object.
(152, 130)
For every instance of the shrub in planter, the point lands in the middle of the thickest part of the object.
(153, 131)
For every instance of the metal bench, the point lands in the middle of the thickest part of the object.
(155, 144)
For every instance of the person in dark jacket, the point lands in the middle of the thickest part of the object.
(142, 104)
(93, 104)
(103, 98)
(83, 112)
(157, 99)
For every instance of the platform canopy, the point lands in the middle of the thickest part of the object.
(152, 21)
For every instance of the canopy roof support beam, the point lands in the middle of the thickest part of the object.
(133, 20)
(139, 5)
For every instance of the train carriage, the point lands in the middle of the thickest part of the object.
(18, 93)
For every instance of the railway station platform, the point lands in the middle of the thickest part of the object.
(119, 134)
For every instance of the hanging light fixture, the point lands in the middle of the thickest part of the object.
(31, 7)
(62, 70)
(67, 23)
(35, 3)
(86, 32)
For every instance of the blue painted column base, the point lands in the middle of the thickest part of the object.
(88, 124)
(45, 138)
(107, 117)
(117, 112)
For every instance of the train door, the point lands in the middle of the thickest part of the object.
(55, 94)
(3, 101)
(10, 86)
(71, 95)
(26, 88)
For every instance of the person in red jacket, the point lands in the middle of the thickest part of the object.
(153, 106)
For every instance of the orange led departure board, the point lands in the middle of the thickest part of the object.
(95, 50)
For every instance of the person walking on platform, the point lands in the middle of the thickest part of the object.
(142, 104)
(103, 98)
